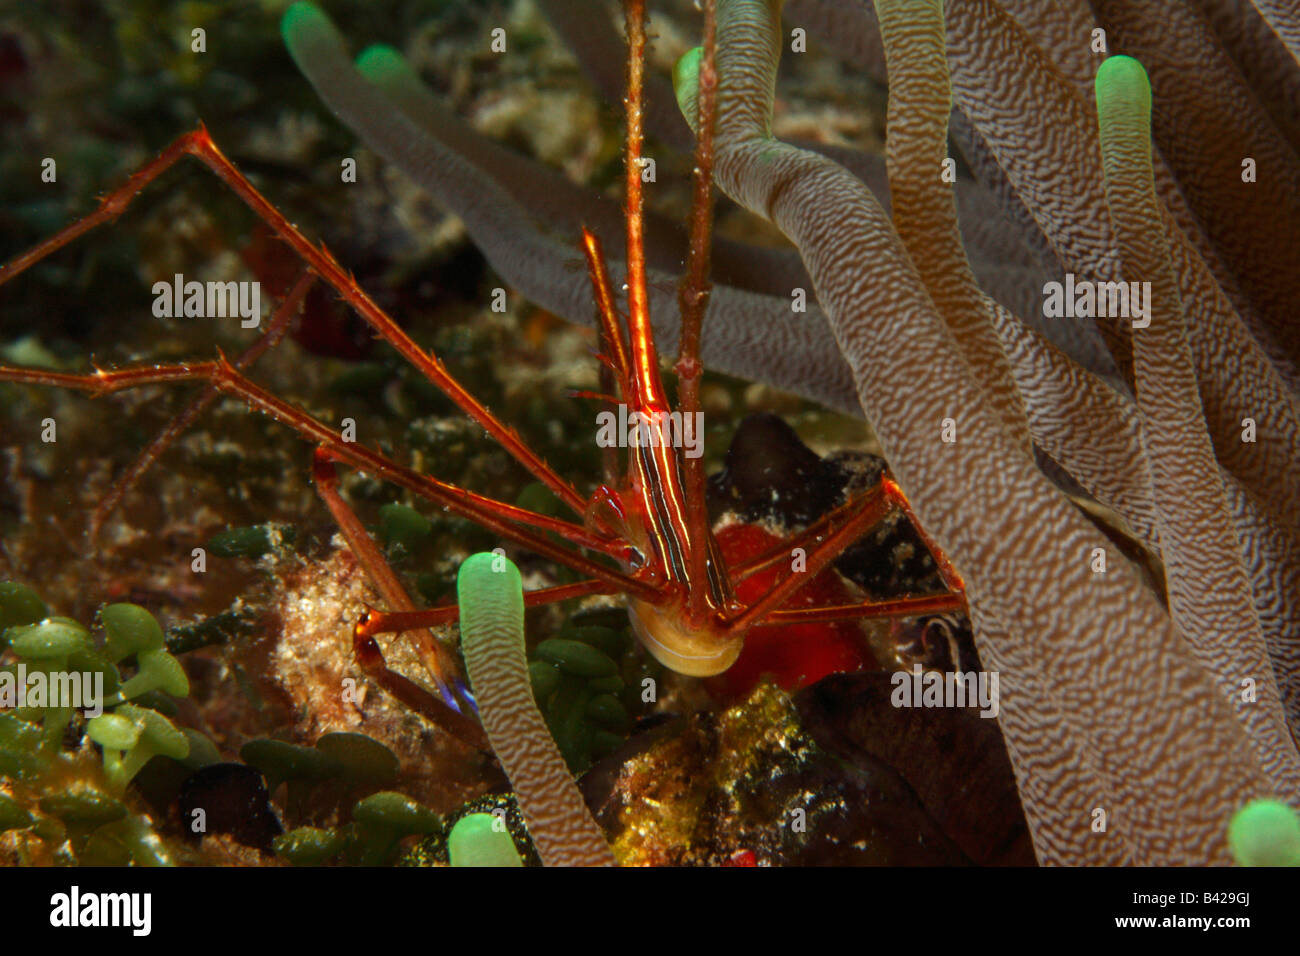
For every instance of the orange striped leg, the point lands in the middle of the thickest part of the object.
(516, 524)
(437, 661)
(275, 332)
(859, 516)
(388, 622)
(199, 144)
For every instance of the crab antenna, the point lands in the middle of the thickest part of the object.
(649, 389)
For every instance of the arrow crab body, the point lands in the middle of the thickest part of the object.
(645, 532)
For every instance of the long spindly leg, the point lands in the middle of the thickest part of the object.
(199, 144)
(524, 527)
(784, 549)
(816, 532)
(615, 369)
(388, 622)
(611, 332)
(907, 606)
(371, 659)
(404, 616)
(833, 534)
(433, 655)
(910, 606)
(275, 331)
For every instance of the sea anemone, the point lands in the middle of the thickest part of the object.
(1137, 722)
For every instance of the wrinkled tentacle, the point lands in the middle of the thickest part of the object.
(1209, 595)
(492, 637)
(743, 329)
(1158, 756)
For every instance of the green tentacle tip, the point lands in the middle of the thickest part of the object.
(490, 591)
(302, 17)
(686, 83)
(488, 571)
(1265, 833)
(480, 840)
(380, 61)
(1121, 83)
